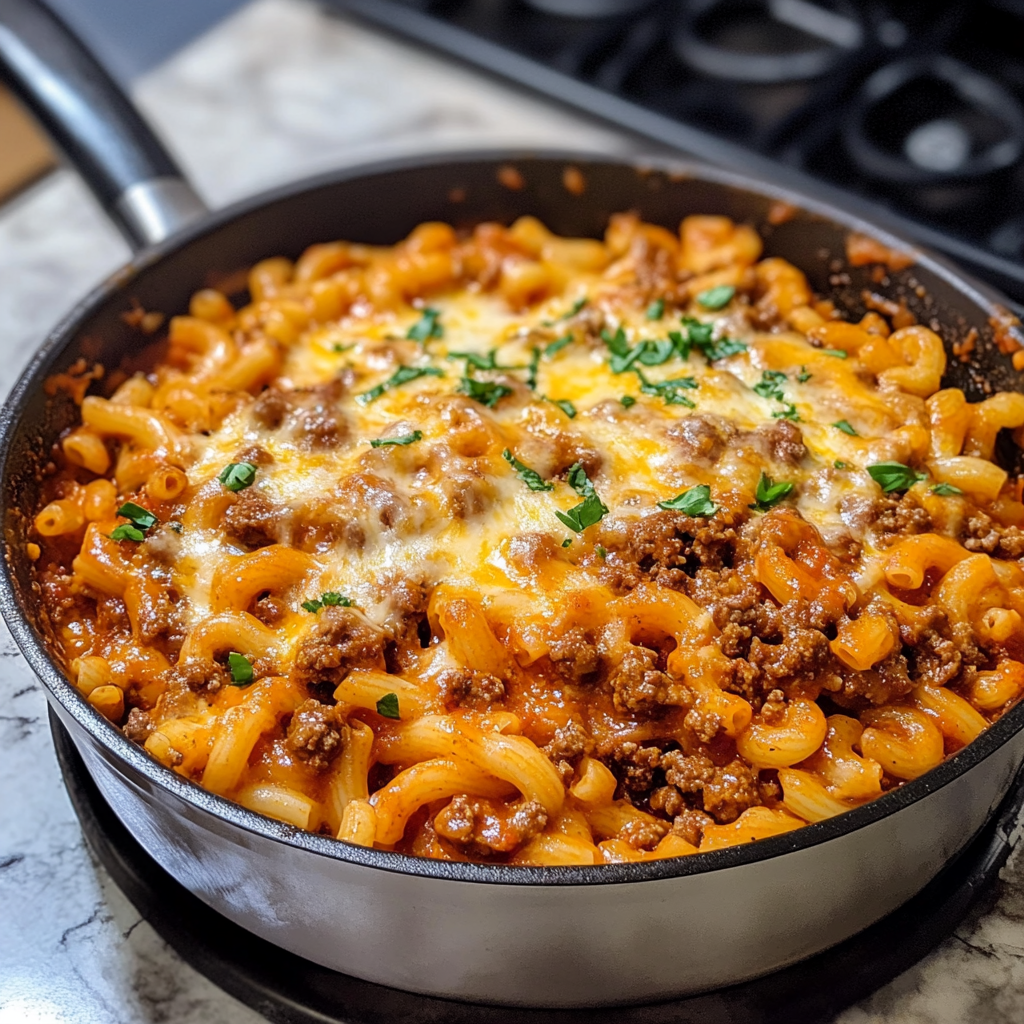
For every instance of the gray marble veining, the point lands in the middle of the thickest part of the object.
(277, 92)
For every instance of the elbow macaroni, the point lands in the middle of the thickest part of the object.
(513, 547)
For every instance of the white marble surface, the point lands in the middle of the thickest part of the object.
(276, 92)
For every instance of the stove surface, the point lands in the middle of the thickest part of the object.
(910, 113)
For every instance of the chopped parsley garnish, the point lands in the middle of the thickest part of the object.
(484, 391)
(601, 551)
(401, 376)
(716, 298)
(770, 385)
(140, 520)
(558, 344)
(649, 353)
(387, 706)
(837, 352)
(846, 427)
(589, 511)
(381, 442)
(769, 493)
(531, 377)
(565, 405)
(699, 336)
(694, 502)
(127, 532)
(894, 476)
(654, 353)
(626, 401)
(788, 413)
(803, 376)
(946, 490)
(240, 668)
(530, 477)
(656, 310)
(671, 391)
(236, 476)
(481, 362)
(839, 464)
(617, 343)
(428, 326)
(338, 347)
(566, 542)
(139, 517)
(175, 526)
(573, 310)
(330, 598)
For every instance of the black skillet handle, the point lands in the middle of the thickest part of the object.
(87, 116)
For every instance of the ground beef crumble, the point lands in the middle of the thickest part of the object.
(316, 734)
(341, 641)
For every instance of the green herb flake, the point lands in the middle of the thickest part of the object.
(693, 502)
(566, 542)
(127, 532)
(139, 517)
(626, 401)
(839, 464)
(387, 706)
(531, 377)
(565, 405)
(837, 352)
(312, 606)
(601, 552)
(803, 376)
(788, 413)
(338, 347)
(175, 526)
(717, 298)
(558, 344)
(589, 511)
(530, 477)
(401, 376)
(671, 391)
(846, 427)
(236, 476)
(699, 336)
(333, 599)
(240, 668)
(946, 490)
(478, 361)
(769, 493)
(894, 476)
(383, 442)
(486, 392)
(770, 385)
(654, 353)
(617, 344)
(571, 312)
(656, 310)
(428, 326)
(575, 307)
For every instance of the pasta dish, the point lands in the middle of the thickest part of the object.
(504, 546)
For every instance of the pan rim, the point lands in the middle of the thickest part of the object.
(127, 755)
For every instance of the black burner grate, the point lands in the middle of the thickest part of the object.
(910, 112)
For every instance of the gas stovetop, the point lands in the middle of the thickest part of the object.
(910, 112)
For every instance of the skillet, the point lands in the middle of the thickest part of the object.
(557, 936)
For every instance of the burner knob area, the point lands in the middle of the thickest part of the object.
(935, 129)
(588, 8)
(768, 42)
(938, 145)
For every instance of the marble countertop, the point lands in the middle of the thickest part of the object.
(279, 91)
